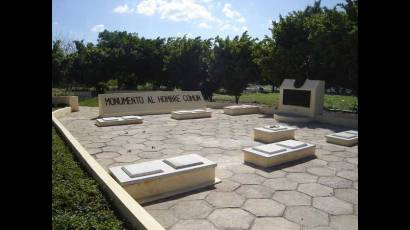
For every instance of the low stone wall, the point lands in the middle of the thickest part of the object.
(71, 101)
(267, 110)
(134, 213)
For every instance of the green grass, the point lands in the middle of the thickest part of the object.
(77, 201)
(271, 99)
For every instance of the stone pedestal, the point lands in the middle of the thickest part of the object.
(278, 153)
(124, 120)
(191, 114)
(159, 179)
(273, 133)
(347, 138)
(241, 109)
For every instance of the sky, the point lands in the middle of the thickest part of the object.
(84, 19)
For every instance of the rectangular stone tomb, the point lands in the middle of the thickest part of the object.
(346, 138)
(241, 109)
(124, 120)
(191, 114)
(273, 133)
(278, 153)
(159, 179)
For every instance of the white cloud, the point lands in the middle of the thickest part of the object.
(203, 25)
(122, 9)
(175, 10)
(233, 14)
(228, 26)
(98, 28)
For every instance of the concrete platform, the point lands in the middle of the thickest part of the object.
(278, 153)
(273, 133)
(288, 117)
(241, 109)
(124, 120)
(191, 114)
(347, 138)
(153, 180)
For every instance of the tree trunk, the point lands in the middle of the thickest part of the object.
(273, 88)
(237, 99)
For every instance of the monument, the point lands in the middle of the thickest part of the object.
(273, 133)
(278, 153)
(346, 138)
(300, 104)
(149, 181)
(148, 103)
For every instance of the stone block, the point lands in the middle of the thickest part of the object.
(278, 153)
(346, 138)
(191, 114)
(241, 109)
(159, 179)
(125, 120)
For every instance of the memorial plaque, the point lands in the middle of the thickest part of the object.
(296, 97)
(291, 144)
(139, 170)
(269, 149)
(183, 161)
(151, 102)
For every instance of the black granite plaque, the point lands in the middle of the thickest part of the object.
(296, 97)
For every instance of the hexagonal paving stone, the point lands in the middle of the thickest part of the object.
(127, 158)
(198, 194)
(273, 174)
(225, 199)
(231, 218)
(193, 225)
(292, 198)
(332, 205)
(248, 178)
(191, 209)
(112, 148)
(306, 216)
(302, 177)
(222, 173)
(255, 191)
(348, 174)
(240, 168)
(93, 151)
(335, 182)
(94, 145)
(264, 207)
(353, 160)
(315, 189)
(295, 168)
(281, 184)
(347, 194)
(344, 222)
(342, 165)
(330, 158)
(356, 185)
(150, 155)
(319, 228)
(227, 186)
(274, 223)
(164, 217)
(106, 155)
(162, 204)
(105, 162)
(156, 138)
(322, 171)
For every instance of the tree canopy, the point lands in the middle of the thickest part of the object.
(315, 43)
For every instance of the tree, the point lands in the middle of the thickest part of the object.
(233, 64)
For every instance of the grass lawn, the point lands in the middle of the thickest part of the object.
(77, 199)
(271, 99)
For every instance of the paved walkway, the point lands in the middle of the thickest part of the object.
(315, 194)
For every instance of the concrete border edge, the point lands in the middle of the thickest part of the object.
(129, 208)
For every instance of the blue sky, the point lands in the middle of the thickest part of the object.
(83, 19)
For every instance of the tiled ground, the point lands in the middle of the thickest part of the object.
(314, 194)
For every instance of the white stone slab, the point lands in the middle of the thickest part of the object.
(184, 161)
(149, 102)
(352, 132)
(191, 114)
(269, 149)
(241, 109)
(143, 169)
(292, 144)
(111, 119)
(131, 117)
(345, 135)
